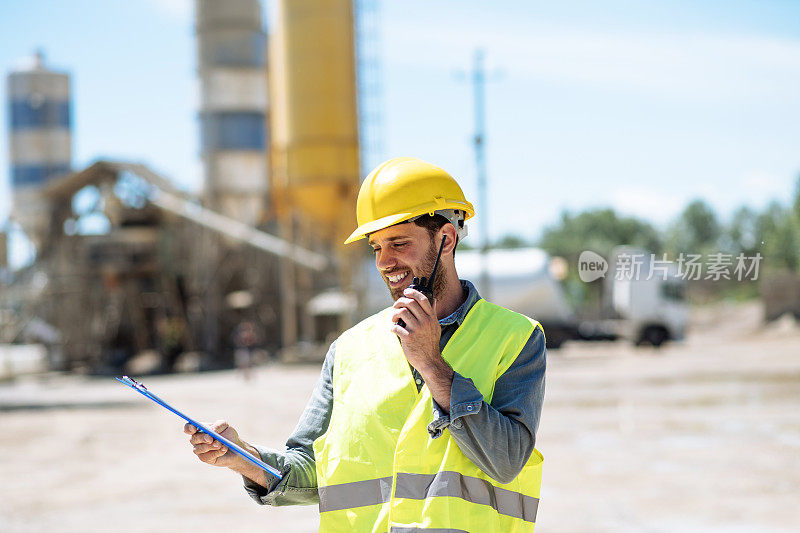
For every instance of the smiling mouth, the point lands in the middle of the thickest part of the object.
(397, 278)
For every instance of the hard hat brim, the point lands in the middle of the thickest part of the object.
(377, 225)
(390, 220)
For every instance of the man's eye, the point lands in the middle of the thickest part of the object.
(400, 244)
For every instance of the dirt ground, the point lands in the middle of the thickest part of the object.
(700, 436)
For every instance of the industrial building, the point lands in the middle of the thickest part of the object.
(172, 275)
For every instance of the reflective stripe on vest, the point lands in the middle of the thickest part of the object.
(471, 489)
(354, 494)
(425, 530)
(424, 486)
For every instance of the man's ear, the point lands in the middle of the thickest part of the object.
(449, 231)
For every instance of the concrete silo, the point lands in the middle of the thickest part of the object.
(40, 145)
(314, 114)
(233, 102)
(314, 169)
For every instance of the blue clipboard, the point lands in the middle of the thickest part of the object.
(140, 388)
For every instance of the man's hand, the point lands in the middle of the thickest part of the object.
(210, 450)
(420, 343)
(420, 336)
(213, 452)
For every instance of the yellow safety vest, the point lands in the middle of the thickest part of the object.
(379, 471)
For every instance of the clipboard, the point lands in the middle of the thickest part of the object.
(238, 450)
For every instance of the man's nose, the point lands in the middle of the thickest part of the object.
(385, 260)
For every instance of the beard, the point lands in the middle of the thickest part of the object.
(424, 269)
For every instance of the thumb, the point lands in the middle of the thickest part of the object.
(219, 426)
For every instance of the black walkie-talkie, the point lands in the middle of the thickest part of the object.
(423, 284)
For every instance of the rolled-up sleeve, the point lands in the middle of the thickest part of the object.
(299, 483)
(498, 437)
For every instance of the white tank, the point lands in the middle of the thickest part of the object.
(520, 280)
(231, 50)
(40, 140)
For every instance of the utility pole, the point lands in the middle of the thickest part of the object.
(479, 82)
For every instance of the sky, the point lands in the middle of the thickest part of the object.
(640, 105)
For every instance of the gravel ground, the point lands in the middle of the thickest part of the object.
(701, 436)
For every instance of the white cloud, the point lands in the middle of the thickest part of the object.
(698, 66)
(686, 65)
(648, 204)
(760, 187)
(760, 182)
(753, 188)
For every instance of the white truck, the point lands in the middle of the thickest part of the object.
(647, 307)
(646, 297)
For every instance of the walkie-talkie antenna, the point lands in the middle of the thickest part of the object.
(435, 266)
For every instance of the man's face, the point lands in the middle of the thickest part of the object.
(403, 252)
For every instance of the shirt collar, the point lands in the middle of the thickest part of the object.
(457, 316)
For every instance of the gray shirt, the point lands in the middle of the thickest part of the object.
(498, 437)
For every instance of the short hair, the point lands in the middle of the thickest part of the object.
(433, 223)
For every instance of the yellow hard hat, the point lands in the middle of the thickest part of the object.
(401, 189)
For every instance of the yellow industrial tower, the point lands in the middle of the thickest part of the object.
(314, 167)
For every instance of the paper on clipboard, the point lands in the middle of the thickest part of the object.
(141, 389)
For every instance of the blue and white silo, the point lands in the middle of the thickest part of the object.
(231, 46)
(40, 140)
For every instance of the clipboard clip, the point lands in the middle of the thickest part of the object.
(133, 383)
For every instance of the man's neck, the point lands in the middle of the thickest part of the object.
(452, 298)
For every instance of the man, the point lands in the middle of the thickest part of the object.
(424, 416)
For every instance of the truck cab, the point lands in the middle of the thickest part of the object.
(647, 295)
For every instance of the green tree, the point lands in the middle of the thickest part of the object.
(696, 230)
(769, 220)
(779, 238)
(797, 201)
(511, 241)
(599, 230)
(742, 233)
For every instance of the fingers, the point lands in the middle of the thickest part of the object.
(211, 456)
(420, 298)
(204, 446)
(414, 308)
(400, 332)
(412, 323)
(201, 438)
(207, 447)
